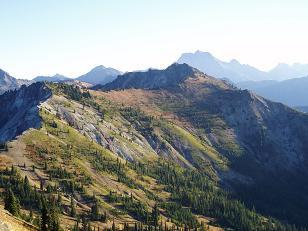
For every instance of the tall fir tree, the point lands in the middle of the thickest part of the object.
(11, 203)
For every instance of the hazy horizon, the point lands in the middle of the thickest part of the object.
(71, 37)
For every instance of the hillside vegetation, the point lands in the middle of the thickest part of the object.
(168, 160)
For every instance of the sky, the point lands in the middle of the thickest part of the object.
(70, 37)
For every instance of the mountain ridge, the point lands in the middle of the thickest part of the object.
(54, 78)
(260, 139)
(237, 72)
(292, 92)
(160, 140)
(172, 76)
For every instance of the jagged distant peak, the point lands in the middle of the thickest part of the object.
(233, 70)
(99, 67)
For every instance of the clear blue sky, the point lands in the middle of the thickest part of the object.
(44, 37)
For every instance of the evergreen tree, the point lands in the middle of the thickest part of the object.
(11, 203)
(95, 211)
(73, 207)
(54, 224)
(44, 215)
(155, 215)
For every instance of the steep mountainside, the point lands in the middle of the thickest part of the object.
(8, 82)
(89, 156)
(100, 75)
(258, 140)
(19, 111)
(166, 148)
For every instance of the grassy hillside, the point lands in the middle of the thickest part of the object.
(100, 163)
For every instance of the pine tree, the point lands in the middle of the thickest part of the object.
(59, 200)
(44, 215)
(73, 207)
(155, 215)
(11, 203)
(27, 188)
(95, 211)
(53, 219)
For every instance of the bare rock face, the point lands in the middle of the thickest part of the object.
(19, 110)
(8, 82)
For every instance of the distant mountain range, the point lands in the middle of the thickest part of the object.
(55, 78)
(293, 92)
(98, 75)
(272, 84)
(237, 72)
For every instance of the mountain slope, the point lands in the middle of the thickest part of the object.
(159, 151)
(99, 75)
(257, 140)
(19, 110)
(83, 142)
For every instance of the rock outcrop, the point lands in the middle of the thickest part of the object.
(19, 110)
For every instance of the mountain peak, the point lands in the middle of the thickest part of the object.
(98, 68)
(8, 82)
(55, 78)
(181, 67)
(234, 61)
(170, 77)
(204, 54)
(57, 75)
(99, 75)
(233, 70)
